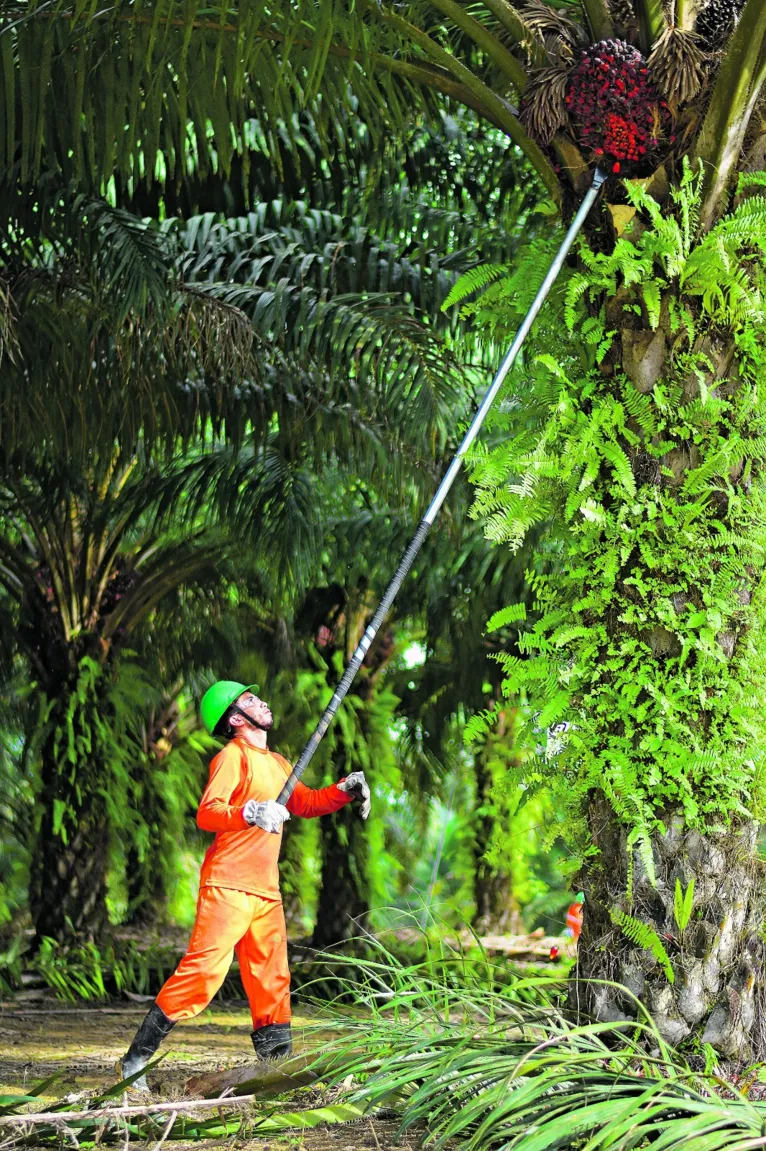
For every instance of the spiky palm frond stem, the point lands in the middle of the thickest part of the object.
(543, 107)
(677, 66)
(716, 22)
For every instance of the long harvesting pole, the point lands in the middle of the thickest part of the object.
(441, 493)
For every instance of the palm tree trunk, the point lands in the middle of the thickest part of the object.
(146, 870)
(344, 902)
(497, 912)
(70, 858)
(717, 959)
(702, 980)
(496, 909)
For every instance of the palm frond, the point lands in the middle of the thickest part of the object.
(130, 258)
(269, 495)
(735, 94)
(160, 69)
(652, 22)
(599, 17)
(506, 1067)
(108, 337)
(159, 569)
(328, 294)
(482, 37)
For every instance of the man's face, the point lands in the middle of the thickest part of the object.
(259, 712)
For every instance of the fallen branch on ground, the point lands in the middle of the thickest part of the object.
(113, 1112)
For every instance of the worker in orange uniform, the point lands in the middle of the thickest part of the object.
(239, 906)
(574, 917)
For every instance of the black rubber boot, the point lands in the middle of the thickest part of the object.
(155, 1027)
(274, 1041)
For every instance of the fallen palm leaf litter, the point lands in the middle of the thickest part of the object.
(116, 1122)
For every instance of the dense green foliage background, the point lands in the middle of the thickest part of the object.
(233, 363)
(234, 509)
(255, 268)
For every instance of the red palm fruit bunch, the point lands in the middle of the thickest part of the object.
(618, 112)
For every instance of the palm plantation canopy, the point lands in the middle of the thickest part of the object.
(205, 491)
(626, 454)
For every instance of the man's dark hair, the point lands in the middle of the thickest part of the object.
(224, 729)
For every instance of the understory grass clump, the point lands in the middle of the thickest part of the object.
(86, 971)
(506, 1068)
(459, 1060)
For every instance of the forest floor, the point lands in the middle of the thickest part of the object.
(81, 1044)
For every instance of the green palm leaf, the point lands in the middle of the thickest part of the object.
(161, 70)
(506, 1068)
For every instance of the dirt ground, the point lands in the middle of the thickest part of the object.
(83, 1044)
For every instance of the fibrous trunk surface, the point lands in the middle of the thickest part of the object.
(343, 905)
(717, 959)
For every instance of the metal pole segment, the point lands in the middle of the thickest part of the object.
(553, 272)
(441, 493)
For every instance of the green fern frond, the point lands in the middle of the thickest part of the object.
(688, 198)
(644, 937)
(653, 300)
(479, 725)
(681, 317)
(473, 281)
(640, 408)
(555, 710)
(514, 613)
(578, 285)
(643, 201)
(621, 465)
(750, 180)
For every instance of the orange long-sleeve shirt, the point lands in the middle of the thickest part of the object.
(243, 857)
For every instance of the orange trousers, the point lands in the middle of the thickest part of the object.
(229, 921)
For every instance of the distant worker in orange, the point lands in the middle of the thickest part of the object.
(239, 908)
(574, 917)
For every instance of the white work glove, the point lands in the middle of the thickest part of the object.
(269, 816)
(356, 785)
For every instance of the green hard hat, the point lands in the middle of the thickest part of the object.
(219, 698)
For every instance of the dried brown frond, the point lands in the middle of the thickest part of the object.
(559, 50)
(544, 21)
(543, 109)
(677, 66)
(8, 339)
(214, 331)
